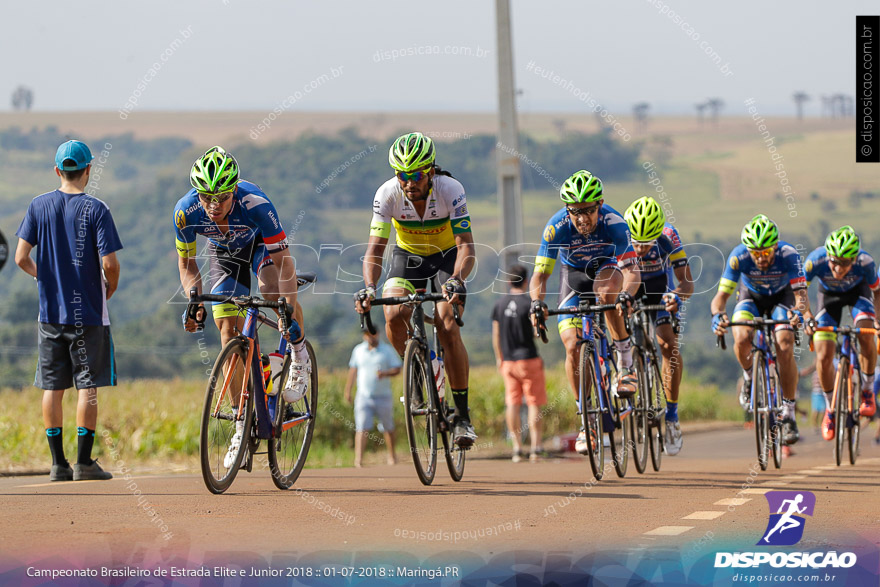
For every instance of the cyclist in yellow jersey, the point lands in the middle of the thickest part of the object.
(428, 209)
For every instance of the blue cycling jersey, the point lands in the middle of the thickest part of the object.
(666, 254)
(784, 271)
(252, 215)
(863, 269)
(609, 241)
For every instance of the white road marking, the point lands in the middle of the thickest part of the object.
(668, 530)
(704, 515)
(732, 501)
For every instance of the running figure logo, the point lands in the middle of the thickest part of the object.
(786, 526)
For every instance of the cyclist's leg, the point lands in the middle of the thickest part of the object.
(228, 274)
(607, 286)
(746, 309)
(863, 317)
(403, 278)
(268, 279)
(573, 283)
(784, 335)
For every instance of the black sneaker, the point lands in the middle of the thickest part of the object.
(92, 472)
(790, 434)
(463, 433)
(61, 473)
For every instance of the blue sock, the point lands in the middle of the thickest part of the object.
(671, 411)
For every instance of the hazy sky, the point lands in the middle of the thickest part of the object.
(249, 54)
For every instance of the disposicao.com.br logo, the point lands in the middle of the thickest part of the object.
(785, 527)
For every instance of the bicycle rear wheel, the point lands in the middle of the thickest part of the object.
(294, 427)
(656, 416)
(220, 416)
(455, 455)
(638, 419)
(762, 409)
(620, 450)
(591, 412)
(419, 411)
(841, 411)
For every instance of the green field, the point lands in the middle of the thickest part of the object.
(155, 424)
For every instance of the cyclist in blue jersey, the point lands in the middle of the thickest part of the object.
(660, 254)
(597, 259)
(245, 236)
(773, 285)
(847, 277)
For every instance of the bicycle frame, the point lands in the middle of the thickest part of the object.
(599, 348)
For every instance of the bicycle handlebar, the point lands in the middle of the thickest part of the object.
(285, 315)
(417, 298)
(720, 341)
(541, 327)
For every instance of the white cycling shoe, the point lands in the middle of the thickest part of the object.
(234, 444)
(297, 384)
(673, 438)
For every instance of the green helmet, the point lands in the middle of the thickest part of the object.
(843, 243)
(580, 188)
(645, 219)
(214, 172)
(760, 233)
(410, 152)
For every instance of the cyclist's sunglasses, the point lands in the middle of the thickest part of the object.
(582, 211)
(649, 243)
(762, 253)
(415, 176)
(840, 262)
(218, 198)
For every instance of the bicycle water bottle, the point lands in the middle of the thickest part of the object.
(275, 361)
(439, 373)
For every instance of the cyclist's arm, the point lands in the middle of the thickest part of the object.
(802, 300)
(110, 265)
(190, 277)
(373, 259)
(719, 302)
(538, 284)
(685, 282)
(464, 256)
(632, 278)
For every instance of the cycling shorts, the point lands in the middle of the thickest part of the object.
(229, 272)
(751, 305)
(413, 272)
(577, 284)
(860, 300)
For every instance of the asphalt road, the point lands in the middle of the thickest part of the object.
(709, 495)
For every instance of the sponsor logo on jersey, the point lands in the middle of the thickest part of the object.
(734, 263)
(457, 200)
(193, 208)
(808, 267)
(549, 233)
(274, 220)
(425, 231)
(461, 210)
(180, 219)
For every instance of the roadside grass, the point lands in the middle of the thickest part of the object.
(154, 424)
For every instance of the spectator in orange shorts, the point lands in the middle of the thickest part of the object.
(518, 361)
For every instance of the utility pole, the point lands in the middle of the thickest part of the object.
(509, 185)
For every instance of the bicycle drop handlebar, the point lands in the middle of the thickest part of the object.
(722, 342)
(541, 320)
(417, 298)
(285, 314)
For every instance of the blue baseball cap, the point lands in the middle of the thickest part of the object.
(73, 155)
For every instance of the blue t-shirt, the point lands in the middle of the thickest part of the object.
(666, 254)
(71, 232)
(784, 271)
(609, 240)
(252, 215)
(368, 363)
(863, 269)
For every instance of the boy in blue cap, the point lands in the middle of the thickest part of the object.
(76, 272)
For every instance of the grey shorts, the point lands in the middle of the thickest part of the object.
(69, 355)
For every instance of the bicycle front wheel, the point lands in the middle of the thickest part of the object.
(221, 417)
(762, 409)
(591, 412)
(656, 415)
(294, 427)
(419, 411)
(775, 422)
(638, 419)
(841, 409)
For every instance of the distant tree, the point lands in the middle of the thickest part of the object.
(559, 124)
(715, 105)
(22, 98)
(701, 110)
(799, 99)
(640, 113)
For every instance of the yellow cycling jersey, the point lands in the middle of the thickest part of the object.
(446, 215)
